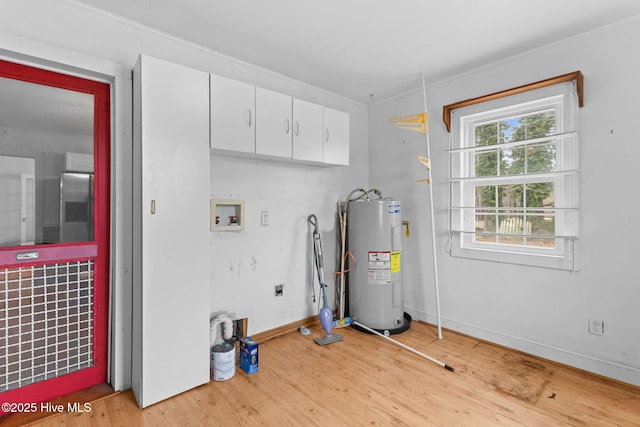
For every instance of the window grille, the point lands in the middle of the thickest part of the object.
(46, 322)
(513, 177)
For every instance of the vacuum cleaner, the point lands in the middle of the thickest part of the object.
(325, 314)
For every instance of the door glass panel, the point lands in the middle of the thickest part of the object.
(46, 164)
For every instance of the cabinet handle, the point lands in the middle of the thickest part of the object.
(326, 135)
(286, 126)
(296, 128)
(249, 118)
(153, 207)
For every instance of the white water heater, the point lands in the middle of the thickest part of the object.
(375, 285)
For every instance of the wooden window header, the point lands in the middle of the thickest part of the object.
(576, 75)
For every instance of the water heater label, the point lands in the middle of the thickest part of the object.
(380, 259)
(395, 262)
(379, 268)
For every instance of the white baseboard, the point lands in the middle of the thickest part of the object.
(590, 363)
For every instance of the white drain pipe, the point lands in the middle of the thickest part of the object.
(227, 328)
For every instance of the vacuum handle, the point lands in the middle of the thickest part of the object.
(318, 246)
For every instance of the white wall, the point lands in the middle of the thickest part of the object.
(244, 266)
(541, 311)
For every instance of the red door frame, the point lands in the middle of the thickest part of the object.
(98, 249)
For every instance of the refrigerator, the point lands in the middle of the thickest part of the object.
(76, 207)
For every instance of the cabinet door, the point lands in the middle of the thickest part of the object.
(307, 131)
(273, 123)
(171, 223)
(336, 137)
(233, 115)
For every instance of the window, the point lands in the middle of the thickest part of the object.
(513, 177)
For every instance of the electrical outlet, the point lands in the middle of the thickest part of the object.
(264, 218)
(596, 326)
(280, 290)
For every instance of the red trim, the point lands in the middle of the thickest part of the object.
(29, 74)
(51, 389)
(102, 232)
(47, 254)
(99, 249)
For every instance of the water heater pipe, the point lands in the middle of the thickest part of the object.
(342, 213)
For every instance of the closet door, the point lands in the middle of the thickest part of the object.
(171, 245)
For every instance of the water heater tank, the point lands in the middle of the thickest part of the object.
(375, 240)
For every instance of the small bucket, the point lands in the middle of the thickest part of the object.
(223, 361)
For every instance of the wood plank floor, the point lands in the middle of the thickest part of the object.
(367, 381)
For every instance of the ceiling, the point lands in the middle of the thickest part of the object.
(370, 49)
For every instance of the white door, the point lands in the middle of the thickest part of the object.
(336, 137)
(28, 203)
(307, 131)
(233, 115)
(17, 201)
(171, 219)
(273, 123)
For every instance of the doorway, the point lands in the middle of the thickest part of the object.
(54, 242)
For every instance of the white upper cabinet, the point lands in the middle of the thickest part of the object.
(249, 121)
(233, 115)
(336, 137)
(307, 131)
(273, 123)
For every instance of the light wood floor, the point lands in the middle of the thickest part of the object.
(367, 381)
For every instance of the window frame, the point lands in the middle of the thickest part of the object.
(564, 98)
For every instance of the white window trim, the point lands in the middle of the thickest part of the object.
(564, 99)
